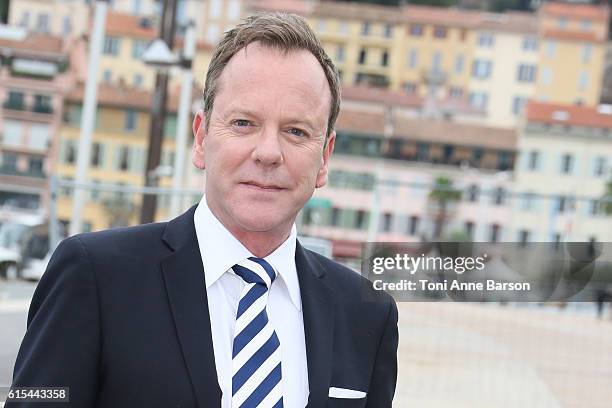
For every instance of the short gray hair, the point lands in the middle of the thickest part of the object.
(282, 31)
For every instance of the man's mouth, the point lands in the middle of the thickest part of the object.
(262, 186)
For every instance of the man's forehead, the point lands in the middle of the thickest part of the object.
(257, 69)
(258, 61)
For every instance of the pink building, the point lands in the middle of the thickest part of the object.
(33, 78)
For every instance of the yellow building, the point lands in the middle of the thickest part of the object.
(495, 62)
(118, 154)
(127, 37)
(572, 52)
(59, 18)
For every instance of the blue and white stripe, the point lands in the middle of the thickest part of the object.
(256, 353)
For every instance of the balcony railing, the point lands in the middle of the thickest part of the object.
(11, 171)
(42, 108)
(13, 105)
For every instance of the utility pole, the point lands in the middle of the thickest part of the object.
(158, 114)
(90, 103)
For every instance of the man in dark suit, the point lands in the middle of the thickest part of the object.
(222, 306)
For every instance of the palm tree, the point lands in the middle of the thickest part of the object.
(443, 194)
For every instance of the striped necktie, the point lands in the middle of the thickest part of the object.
(256, 353)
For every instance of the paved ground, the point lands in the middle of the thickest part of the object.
(471, 355)
(456, 355)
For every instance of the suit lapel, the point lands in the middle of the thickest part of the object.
(186, 289)
(318, 312)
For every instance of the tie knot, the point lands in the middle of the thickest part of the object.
(255, 270)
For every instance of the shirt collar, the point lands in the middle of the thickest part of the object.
(214, 238)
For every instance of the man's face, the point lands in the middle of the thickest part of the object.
(264, 150)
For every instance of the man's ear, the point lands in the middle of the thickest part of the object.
(327, 151)
(199, 132)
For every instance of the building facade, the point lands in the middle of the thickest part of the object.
(565, 163)
(34, 78)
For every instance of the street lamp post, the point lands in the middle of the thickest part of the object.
(158, 112)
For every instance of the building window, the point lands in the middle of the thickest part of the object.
(95, 155)
(9, 162)
(69, 152)
(499, 196)
(477, 154)
(436, 63)
(594, 207)
(479, 100)
(335, 217)
(455, 92)
(440, 32)
(387, 222)
(343, 28)
(42, 104)
(107, 76)
(526, 73)
(533, 160)
(66, 25)
(469, 229)
(137, 80)
(416, 30)
(362, 56)
(15, 101)
(130, 120)
(517, 105)
(447, 153)
(566, 164)
(527, 201)
(561, 204)
(124, 158)
(486, 40)
(422, 153)
(459, 63)
(410, 88)
(413, 225)
(340, 53)
(111, 45)
(388, 30)
(494, 233)
(365, 28)
(412, 58)
(481, 69)
(25, 20)
(585, 55)
(547, 76)
(384, 60)
(585, 25)
(562, 22)
(42, 23)
(530, 43)
(35, 166)
(138, 48)
(551, 48)
(583, 80)
(360, 220)
(472, 193)
(321, 25)
(599, 166)
(523, 237)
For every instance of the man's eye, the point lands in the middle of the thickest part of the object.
(297, 132)
(241, 122)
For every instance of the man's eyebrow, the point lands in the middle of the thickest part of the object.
(238, 110)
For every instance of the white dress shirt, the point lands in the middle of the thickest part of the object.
(220, 251)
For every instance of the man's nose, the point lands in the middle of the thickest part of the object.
(268, 150)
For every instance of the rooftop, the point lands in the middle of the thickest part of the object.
(572, 115)
(576, 11)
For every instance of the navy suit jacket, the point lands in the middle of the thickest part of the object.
(121, 317)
